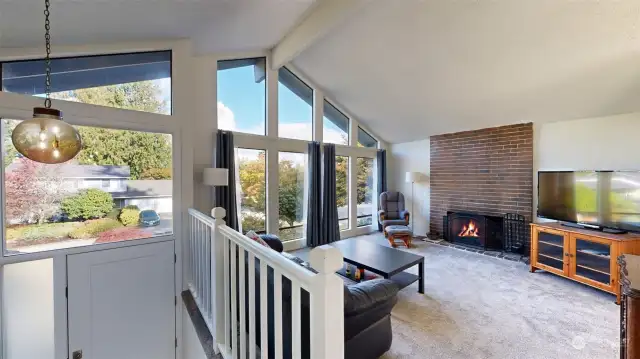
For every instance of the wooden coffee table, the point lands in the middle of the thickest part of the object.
(387, 262)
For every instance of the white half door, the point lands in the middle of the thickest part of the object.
(121, 303)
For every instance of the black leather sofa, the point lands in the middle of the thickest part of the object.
(367, 317)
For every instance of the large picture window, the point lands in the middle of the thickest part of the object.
(365, 191)
(291, 195)
(335, 127)
(253, 186)
(242, 95)
(67, 205)
(295, 107)
(342, 191)
(138, 81)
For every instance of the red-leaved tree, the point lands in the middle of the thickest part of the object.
(33, 191)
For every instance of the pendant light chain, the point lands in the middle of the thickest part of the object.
(47, 59)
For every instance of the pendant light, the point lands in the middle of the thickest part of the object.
(46, 138)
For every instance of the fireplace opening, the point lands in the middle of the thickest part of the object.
(475, 230)
(469, 230)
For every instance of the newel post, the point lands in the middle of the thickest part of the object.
(217, 274)
(327, 304)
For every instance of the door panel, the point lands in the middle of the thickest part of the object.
(121, 303)
(551, 247)
(592, 261)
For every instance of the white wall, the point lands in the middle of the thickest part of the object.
(411, 157)
(602, 143)
(191, 348)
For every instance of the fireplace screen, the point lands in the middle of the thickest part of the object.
(477, 230)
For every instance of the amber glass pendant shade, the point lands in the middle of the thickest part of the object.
(46, 138)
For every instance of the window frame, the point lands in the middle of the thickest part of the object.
(266, 92)
(81, 56)
(20, 107)
(313, 119)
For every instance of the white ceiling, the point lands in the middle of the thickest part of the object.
(410, 69)
(214, 25)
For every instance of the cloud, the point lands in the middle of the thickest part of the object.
(226, 118)
(303, 131)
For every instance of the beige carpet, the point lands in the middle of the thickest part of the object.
(477, 306)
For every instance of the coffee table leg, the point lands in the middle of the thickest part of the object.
(421, 277)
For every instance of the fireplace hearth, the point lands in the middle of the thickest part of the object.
(475, 230)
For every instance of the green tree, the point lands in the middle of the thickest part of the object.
(10, 152)
(141, 151)
(342, 184)
(252, 183)
(365, 180)
(156, 174)
(290, 191)
(141, 96)
(88, 204)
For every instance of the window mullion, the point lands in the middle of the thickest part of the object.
(318, 114)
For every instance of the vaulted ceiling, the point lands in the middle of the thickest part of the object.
(411, 69)
(406, 69)
(214, 25)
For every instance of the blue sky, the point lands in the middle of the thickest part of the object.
(241, 107)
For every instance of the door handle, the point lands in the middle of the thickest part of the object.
(77, 354)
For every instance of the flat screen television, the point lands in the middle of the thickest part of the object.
(605, 199)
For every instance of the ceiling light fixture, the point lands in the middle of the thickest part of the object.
(46, 138)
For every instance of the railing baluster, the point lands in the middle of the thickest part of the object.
(242, 282)
(227, 293)
(264, 322)
(207, 289)
(252, 305)
(234, 305)
(277, 312)
(296, 350)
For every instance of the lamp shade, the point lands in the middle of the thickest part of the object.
(215, 177)
(412, 177)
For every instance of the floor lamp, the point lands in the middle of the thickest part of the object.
(412, 177)
(215, 177)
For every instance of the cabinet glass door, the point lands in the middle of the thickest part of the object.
(551, 249)
(593, 261)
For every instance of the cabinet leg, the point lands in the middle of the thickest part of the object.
(532, 269)
(618, 298)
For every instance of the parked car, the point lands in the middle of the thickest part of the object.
(149, 218)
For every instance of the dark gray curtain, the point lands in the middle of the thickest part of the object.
(225, 196)
(329, 225)
(314, 186)
(381, 158)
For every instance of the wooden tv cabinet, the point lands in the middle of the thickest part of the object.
(586, 256)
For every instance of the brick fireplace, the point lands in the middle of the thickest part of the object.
(488, 171)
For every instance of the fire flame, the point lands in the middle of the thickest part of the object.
(470, 230)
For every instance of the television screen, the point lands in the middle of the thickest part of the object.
(608, 199)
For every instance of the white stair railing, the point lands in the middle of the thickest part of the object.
(199, 270)
(233, 294)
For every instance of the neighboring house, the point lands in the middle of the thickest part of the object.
(146, 194)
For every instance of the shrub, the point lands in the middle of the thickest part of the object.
(156, 174)
(114, 214)
(88, 204)
(91, 229)
(132, 206)
(130, 217)
(122, 234)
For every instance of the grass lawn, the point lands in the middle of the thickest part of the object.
(38, 232)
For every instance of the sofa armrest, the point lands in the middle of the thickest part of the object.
(273, 241)
(361, 297)
(405, 215)
(381, 215)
